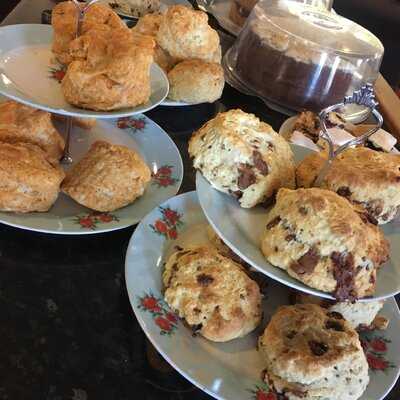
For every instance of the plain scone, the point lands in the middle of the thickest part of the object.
(324, 241)
(240, 155)
(212, 293)
(364, 176)
(20, 123)
(111, 70)
(313, 354)
(196, 81)
(64, 22)
(28, 181)
(107, 178)
(149, 25)
(185, 34)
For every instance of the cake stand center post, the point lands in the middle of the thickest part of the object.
(81, 11)
(363, 97)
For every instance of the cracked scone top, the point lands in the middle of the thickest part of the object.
(311, 353)
(324, 241)
(28, 181)
(240, 155)
(364, 176)
(108, 177)
(212, 293)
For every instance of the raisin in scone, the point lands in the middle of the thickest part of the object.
(364, 176)
(360, 315)
(240, 155)
(324, 241)
(212, 293)
(313, 354)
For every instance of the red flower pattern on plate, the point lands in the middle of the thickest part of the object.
(133, 124)
(93, 219)
(264, 392)
(163, 176)
(375, 349)
(162, 316)
(58, 73)
(168, 224)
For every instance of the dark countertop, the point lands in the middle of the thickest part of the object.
(66, 326)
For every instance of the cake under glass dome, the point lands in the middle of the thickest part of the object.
(301, 57)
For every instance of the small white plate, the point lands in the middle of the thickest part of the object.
(226, 371)
(123, 13)
(139, 133)
(27, 71)
(241, 229)
(172, 103)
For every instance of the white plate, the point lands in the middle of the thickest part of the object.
(160, 154)
(27, 66)
(241, 229)
(172, 103)
(228, 371)
(164, 4)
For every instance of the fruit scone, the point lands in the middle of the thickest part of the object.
(311, 353)
(242, 156)
(212, 293)
(364, 176)
(324, 241)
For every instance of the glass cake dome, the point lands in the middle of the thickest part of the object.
(301, 57)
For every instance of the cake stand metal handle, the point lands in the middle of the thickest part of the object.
(362, 97)
(81, 10)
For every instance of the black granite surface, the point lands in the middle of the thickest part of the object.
(67, 330)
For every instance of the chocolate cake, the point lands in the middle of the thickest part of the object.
(285, 69)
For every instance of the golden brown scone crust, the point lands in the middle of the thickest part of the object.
(311, 353)
(212, 293)
(107, 178)
(185, 34)
(20, 123)
(28, 181)
(111, 70)
(321, 239)
(196, 81)
(364, 176)
(64, 22)
(149, 25)
(240, 155)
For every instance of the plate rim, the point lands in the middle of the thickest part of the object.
(81, 112)
(115, 228)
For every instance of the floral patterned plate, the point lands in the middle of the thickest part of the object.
(30, 45)
(139, 133)
(232, 370)
(241, 229)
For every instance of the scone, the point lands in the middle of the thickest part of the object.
(322, 240)
(107, 178)
(111, 70)
(360, 315)
(28, 181)
(64, 22)
(313, 354)
(212, 293)
(196, 81)
(20, 123)
(364, 176)
(149, 25)
(185, 34)
(240, 155)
